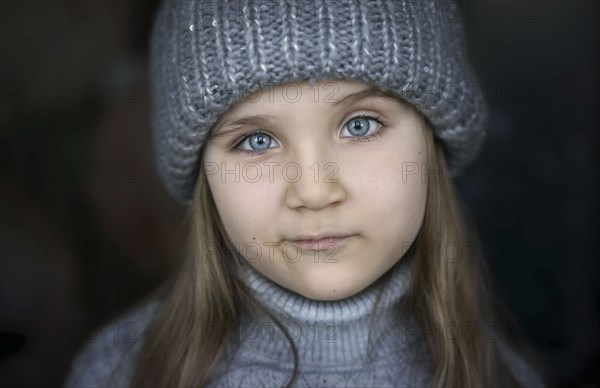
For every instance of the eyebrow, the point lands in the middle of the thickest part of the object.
(364, 94)
(265, 120)
(256, 120)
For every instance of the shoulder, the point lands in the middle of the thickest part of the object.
(522, 369)
(107, 358)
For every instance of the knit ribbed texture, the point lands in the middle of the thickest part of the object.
(331, 338)
(206, 55)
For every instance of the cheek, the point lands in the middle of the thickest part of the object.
(395, 200)
(245, 207)
(394, 191)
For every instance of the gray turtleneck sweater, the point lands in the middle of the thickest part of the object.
(332, 339)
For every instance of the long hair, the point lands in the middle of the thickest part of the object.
(203, 300)
(451, 295)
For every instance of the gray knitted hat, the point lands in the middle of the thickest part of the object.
(207, 54)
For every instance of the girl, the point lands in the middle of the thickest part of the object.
(311, 140)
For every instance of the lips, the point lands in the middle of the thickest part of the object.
(320, 242)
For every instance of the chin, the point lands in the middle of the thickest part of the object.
(329, 290)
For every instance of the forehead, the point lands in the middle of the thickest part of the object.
(298, 96)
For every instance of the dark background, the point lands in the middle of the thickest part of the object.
(86, 228)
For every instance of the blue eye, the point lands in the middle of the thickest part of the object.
(360, 126)
(256, 142)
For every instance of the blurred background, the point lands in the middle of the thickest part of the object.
(87, 229)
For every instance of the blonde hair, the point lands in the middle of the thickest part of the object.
(445, 293)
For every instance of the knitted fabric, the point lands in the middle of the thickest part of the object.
(338, 342)
(207, 55)
(331, 337)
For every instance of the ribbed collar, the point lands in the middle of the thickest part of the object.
(328, 332)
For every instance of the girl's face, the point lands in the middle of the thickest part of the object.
(294, 164)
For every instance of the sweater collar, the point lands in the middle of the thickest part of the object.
(328, 332)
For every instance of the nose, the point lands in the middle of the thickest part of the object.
(313, 184)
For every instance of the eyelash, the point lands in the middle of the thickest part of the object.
(242, 138)
(373, 135)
